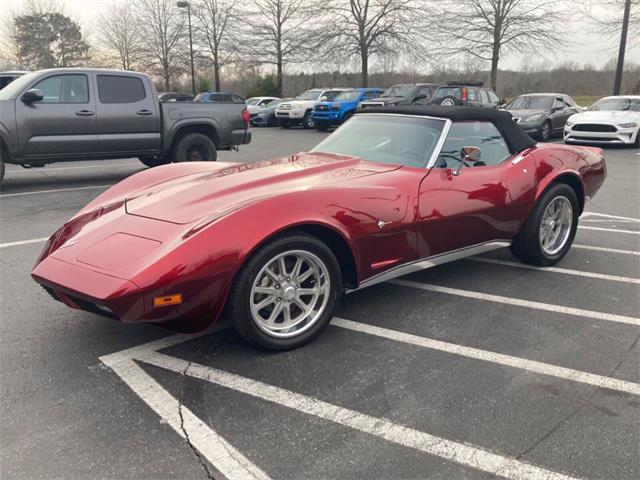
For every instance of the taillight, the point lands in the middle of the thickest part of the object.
(245, 116)
(465, 94)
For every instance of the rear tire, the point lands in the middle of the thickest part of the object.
(195, 147)
(547, 234)
(280, 292)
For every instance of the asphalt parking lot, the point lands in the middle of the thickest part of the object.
(477, 369)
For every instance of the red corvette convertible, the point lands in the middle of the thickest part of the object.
(274, 244)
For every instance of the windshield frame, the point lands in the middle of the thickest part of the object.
(301, 96)
(436, 149)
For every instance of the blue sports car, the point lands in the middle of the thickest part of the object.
(327, 114)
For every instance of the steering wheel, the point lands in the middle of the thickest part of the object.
(413, 156)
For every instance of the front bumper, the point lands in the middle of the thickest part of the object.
(88, 290)
(293, 114)
(620, 136)
(328, 117)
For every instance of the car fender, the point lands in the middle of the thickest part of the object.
(222, 248)
(565, 176)
(170, 134)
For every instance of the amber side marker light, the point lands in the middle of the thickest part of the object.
(167, 300)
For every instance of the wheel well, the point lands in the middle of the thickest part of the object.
(574, 183)
(338, 246)
(207, 130)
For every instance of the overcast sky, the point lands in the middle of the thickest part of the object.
(585, 47)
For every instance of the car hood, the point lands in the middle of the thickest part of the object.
(606, 116)
(189, 198)
(527, 113)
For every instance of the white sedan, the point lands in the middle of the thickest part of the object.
(610, 120)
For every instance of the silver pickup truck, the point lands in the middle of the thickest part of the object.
(92, 114)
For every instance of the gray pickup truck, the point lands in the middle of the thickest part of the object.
(92, 114)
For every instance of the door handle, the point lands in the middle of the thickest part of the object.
(144, 112)
(85, 113)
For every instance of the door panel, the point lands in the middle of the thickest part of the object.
(471, 208)
(128, 118)
(63, 124)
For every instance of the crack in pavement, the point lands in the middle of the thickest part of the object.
(195, 451)
(586, 401)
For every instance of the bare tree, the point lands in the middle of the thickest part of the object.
(606, 17)
(217, 30)
(162, 27)
(120, 34)
(280, 32)
(365, 28)
(489, 29)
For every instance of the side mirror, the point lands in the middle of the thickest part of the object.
(470, 155)
(31, 96)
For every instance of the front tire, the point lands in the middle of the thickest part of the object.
(286, 293)
(308, 121)
(1, 165)
(545, 131)
(195, 147)
(547, 234)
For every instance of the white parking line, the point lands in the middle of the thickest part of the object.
(566, 271)
(222, 455)
(488, 356)
(23, 242)
(55, 190)
(461, 453)
(606, 215)
(613, 230)
(55, 169)
(578, 312)
(606, 249)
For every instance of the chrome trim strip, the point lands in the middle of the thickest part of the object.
(433, 261)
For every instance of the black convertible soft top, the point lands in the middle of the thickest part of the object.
(515, 137)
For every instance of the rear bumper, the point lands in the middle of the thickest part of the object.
(241, 137)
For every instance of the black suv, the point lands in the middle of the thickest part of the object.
(401, 94)
(467, 94)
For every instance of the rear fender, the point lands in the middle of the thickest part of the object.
(569, 177)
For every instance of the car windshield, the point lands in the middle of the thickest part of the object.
(405, 91)
(309, 95)
(349, 95)
(272, 103)
(253, 100)
(394, 139)
(17, 85)
(616, 103)
(531, 102)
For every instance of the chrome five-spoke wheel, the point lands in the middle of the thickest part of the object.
(290, 293)
(555, 226)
